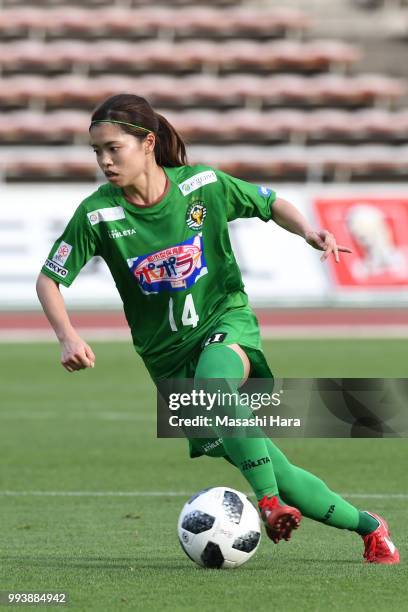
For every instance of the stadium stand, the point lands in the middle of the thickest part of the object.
(151, 22)
(327, 163)
(104, 3)
(212, 126)
(232, 78)
(68, 56)
(204, 90)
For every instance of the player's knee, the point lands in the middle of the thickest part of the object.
(222, 361)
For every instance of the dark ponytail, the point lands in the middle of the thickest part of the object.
(169, 150)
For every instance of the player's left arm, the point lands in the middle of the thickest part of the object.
(291, 219)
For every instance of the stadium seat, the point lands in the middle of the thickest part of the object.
(295, 126)
(322, 161)
(104, 3)
(148, 20)
(205, 90)
(28, 126)
(250, 162)
(20, 21)
(190, 55)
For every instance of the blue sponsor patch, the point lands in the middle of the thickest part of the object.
(264, 191)
(172, 269)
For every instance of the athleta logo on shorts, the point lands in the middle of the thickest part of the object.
(197, 181)
(54, 267)
(220, 337)
(175, 268)
(62, 253)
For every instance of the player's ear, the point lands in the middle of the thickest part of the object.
(149, 142)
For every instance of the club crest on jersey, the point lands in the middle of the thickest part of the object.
(196, 215)
(172, 269)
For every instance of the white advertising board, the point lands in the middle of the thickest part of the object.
(278, 267)
(31, 218)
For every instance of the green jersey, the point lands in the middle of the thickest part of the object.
(172, 263)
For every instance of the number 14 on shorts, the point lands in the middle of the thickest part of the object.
(189, 315)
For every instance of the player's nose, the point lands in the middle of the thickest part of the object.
(105, 162)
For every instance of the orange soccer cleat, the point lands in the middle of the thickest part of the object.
(378, 547)
(279, 519)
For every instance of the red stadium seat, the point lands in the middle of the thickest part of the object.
(204, 90)
(360, 89)
(22, 91)
(245, 161)
(323, 53)
(270, 19)
(164, 54)
(18, 21)
(318, 161)
(95, 4)
(74, 90)
(150, 20)
(295, 126)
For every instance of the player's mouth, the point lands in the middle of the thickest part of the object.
(111, 175)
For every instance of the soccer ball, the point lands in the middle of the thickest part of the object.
(219, 527)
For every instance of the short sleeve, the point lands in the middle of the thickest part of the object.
(72, 250)
(244, 200)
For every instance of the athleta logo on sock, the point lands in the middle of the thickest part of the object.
(329, 513)
(215, 338)
(248, 464)
(211, 445)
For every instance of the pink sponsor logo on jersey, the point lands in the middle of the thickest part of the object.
(170, 269)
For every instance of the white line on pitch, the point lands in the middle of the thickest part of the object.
(101, 416)
(165, 494)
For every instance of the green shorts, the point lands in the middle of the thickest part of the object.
(235, 326)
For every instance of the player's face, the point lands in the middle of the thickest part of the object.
(120, 156)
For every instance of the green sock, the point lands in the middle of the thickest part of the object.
(311, 495)
(250, 455)
(366, 524)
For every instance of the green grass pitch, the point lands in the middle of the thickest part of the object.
(94, 432)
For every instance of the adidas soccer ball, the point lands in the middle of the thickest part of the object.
(219, 527)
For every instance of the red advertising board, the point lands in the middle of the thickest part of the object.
(376, 229)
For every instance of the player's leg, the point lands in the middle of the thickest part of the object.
(220, 362)
(300, 488)
(249, 454)
(316, 501)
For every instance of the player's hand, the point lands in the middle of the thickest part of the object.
(325, 241)
(76, 354)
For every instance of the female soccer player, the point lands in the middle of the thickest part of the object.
(161, 227)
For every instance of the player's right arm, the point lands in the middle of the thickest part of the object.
(76, 354)
(66, 259)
